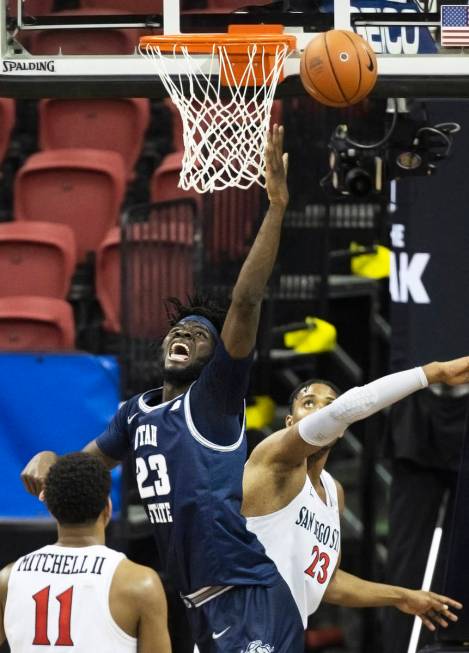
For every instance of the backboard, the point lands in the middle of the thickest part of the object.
(34, 62)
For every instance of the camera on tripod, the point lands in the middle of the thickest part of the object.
(411, 147)
(354, 171)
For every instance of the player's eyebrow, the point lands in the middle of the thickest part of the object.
(313, 395)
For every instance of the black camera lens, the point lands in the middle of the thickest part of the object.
(358, 182)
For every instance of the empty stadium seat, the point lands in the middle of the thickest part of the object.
(176, 125)
(129, 6)
(229, 215)
(31, 7)
(111, 40)
(82, 188)
(35, 324)
(165, 179)
(36, 258)
(110, 124)
(135, 6)
(108, 279)
(159, 263)
(222, 6)
(7, 121)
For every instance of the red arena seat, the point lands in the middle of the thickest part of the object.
(110, 124)
(35, 324)
(176, 124)
(83, 41)
(36, 258)
(226, 6)
(165, 179)
(229, 216)
(82, 188)
(108, 279)
(164, 247)
(7, 121)
(31, 7)
(129, 6)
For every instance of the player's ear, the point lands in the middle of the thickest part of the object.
(107, 512)
(288, 420)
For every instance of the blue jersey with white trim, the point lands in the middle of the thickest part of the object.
(191, 488)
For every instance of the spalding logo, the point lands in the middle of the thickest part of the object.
(259, 647)
(28, 66)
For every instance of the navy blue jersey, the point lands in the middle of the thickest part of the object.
(189, 483)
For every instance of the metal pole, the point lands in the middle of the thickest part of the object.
(430, 568)
(342, 12)
(171, 17)
(19, 18)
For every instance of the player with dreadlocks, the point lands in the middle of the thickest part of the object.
(188, 443)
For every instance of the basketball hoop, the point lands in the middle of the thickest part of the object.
(224, 97)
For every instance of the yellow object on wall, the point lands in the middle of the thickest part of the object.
(320, 336)
(371, 266)
(261, 413)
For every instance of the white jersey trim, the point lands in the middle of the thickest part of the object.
(111, 621)
(149, 409)
(200, 438)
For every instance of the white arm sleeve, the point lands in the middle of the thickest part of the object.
(325, 425)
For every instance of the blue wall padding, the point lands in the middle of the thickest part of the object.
(50, 401)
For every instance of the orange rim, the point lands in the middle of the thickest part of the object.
(237, 43)
(237, 40)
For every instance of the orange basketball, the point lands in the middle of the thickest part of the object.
(338, 68)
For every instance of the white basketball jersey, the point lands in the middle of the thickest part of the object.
(303, 539)
(59, 597)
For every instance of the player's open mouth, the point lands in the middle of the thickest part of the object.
(179, 352)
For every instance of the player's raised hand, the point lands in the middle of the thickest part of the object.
(276, 166)
(433, 609)
(35, 472)
(452, 372)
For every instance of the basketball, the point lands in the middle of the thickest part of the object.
(338, 68)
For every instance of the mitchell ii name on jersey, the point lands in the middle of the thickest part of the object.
(63, 564)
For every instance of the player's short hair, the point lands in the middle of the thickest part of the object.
(77, 488)
(196, 305)
(306, 384)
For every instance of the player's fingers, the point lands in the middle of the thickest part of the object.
(276, 152)
(285, 162)
(447, 601)
(279, 149)
(268, 153)
(37, 486)
(438, 619)
(443, 609)
(427, 623)
(281, 136)
(30, 484)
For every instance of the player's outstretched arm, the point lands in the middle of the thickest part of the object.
(353, 592)
(35, 472)
(241, 323)
(290, 446)
(4, 577)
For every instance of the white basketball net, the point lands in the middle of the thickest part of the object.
(224, 127)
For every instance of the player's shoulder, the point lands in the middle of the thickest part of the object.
(135, 582)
